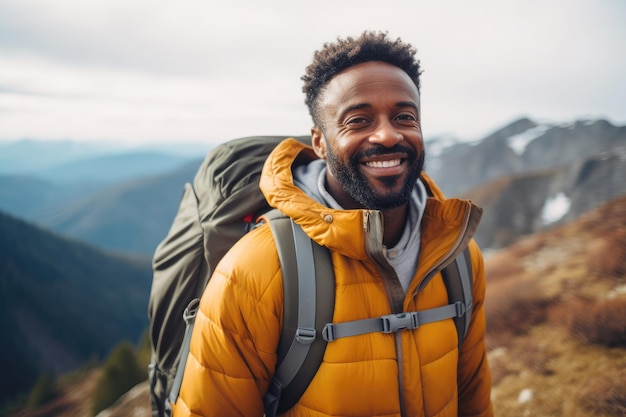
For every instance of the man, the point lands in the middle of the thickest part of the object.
(359, 191)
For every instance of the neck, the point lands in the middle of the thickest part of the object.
(394, 221)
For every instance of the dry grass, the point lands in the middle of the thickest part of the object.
(602, 322)
(513, 307)
(608, 256)
(556, 320)
(555, 370)
(605, 393)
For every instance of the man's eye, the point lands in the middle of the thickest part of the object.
(356, 121)
(406, 117)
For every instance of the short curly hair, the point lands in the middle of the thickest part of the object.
(336, 57)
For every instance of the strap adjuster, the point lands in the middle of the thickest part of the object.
(460, 309)
(305, 336)
(395, 322)
(328, 332)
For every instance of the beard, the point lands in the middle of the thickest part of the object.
(357, 186)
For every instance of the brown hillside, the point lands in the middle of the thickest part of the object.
(556, 312)
(74, 399)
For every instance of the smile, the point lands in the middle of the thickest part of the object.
(383, 164)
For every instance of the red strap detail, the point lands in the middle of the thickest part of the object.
(248, 218)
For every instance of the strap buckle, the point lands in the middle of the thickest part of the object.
(305, 336)
(328, 332)
(395, 322)
(460, 309)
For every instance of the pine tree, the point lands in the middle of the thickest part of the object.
(43, 391)
(120, 373)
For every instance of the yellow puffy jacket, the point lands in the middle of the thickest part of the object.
(411, 373)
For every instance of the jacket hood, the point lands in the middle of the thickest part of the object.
(328, 227)
(343, 230)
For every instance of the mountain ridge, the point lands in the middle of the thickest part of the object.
(63, 301)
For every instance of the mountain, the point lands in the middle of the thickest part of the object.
(62, 302)
(461, 166)
(556, 326)
(31, 156)
(25, 195)
(527, 203)
(519, 148)
(528, 177)
(131, 217)
(28, 155)
(35, 194)
(113, 168)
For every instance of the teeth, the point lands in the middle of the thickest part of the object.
(383, 164)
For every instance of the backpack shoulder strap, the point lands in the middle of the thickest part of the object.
(458, 278)
(309, 295)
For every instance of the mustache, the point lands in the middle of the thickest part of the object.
(380, 150)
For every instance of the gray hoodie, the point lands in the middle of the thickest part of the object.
(311, 179)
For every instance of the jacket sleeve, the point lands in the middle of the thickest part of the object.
(474, 374)
(233, 347)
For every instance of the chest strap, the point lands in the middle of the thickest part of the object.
(393, 322)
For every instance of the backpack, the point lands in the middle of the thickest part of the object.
(222, 204)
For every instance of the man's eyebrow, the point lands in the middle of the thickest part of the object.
(360, 106)
(408, 104)
(353, 107)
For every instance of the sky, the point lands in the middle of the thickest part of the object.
(141, 71)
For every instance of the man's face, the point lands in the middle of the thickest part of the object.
(370, 136)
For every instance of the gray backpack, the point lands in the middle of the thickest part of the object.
(224, 203)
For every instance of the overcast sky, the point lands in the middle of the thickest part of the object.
(204, 70)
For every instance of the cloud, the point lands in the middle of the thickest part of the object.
(156, 70)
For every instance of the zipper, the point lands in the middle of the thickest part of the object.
(454, 251)
(366, 221)
(373, 229)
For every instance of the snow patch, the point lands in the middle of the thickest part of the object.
(617, 292)
(519, 142)
(555, 208)
(525, 396)
(437, 145)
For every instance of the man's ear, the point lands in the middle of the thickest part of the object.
(318, 142)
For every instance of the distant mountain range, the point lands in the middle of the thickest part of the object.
(132, 216)
(114, 168)
(517, 174)
(521, 147)
(32, 157)
(529, 176)
(63, 302)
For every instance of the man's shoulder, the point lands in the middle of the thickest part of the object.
(253, 257)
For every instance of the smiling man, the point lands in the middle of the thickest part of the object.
(361, 192)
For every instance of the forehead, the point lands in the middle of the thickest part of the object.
(366, 82)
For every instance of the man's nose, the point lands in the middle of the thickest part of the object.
(386, 134)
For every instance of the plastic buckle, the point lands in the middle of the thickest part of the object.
(328, 332)
(460, 309)
(305, 336)
(394, 322)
